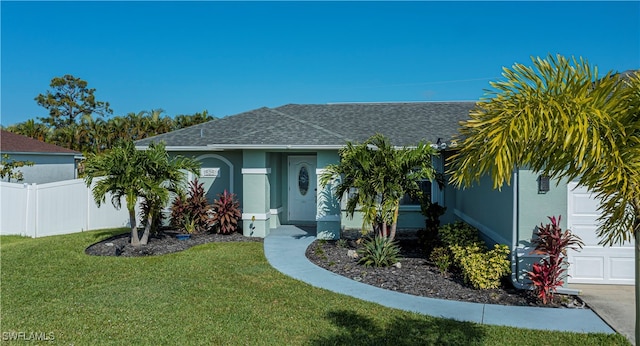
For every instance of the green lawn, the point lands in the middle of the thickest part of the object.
(218, 293)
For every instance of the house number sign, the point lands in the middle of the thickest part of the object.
(210, 172)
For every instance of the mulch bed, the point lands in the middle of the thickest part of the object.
(164, 242)
(416, 275)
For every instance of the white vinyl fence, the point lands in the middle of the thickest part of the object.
(38, 210)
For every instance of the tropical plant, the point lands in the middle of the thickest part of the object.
(193, 206)
(9, 168)
(379, 252)
(442, 258)
(458, 233)
(376, 176)
(480, 268)
(428, 237)
(126, 172)
(226, 213)
(561, 119)
(145, 211)
(553, 243)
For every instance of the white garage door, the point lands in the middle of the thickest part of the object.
(594, 264)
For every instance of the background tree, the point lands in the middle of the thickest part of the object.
(182, 121)
(70, 99)
(31, 129)
(378, 176)
(9, 168)
(126, 172)
(561, 119)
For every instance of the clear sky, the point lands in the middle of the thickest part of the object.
(231, 57)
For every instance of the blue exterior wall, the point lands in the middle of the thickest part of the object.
(535, 208)
(47, 168)
(489, 210)
(229, 164)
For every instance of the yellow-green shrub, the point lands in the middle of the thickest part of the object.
(442, 258)
(458, 233)
(480, 268)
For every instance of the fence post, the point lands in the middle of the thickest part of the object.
(31, 212)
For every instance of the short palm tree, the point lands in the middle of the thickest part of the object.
(130, 173)
(378, 176)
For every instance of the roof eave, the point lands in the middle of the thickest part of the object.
(39, 153)
(223, 147)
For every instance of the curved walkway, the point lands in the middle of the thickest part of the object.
(285, 249)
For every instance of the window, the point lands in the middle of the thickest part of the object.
(425, 187)
(303, 180)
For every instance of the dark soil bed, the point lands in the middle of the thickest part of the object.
(163, 242)
(416, 275)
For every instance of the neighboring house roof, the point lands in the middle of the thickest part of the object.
(14, 143)
(299, 126)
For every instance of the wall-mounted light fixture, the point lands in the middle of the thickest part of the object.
(543, 184)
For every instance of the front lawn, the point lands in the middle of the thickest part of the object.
(213, 294)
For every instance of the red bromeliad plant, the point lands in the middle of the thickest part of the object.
(552, 242)
(226, 213)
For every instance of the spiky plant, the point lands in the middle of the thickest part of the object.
(192, 206)
(379, 252)
(226, 213)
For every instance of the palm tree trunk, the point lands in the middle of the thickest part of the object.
(394, 225)
(135, 239)
(384, 233)
(147, 229)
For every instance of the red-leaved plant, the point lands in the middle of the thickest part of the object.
(226, 213)
(552, 242)
(191, 209)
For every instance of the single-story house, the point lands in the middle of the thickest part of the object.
(271, 159)
(51, 162)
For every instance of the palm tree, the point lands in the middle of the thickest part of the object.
(166, 175)
(31, 129)
(378, 176)
(131, 173)
(562, 120)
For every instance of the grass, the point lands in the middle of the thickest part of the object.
(213, 294)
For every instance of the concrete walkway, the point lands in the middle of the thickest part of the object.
(615, 304)
(285, 250)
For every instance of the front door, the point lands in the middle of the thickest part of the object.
(302, 188)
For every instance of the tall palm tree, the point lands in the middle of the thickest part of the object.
(563, 120)
(378, 176)
(132, 174)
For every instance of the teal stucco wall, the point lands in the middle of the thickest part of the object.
(488, 209)
(534, 208)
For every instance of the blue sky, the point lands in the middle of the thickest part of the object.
(231, 57)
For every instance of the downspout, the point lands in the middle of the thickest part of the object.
(514, 238)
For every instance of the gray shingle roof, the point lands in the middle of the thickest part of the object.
(328, 125)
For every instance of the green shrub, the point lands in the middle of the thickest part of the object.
(458, 233)
(379, 252)
(480, 268)
(442, 258)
